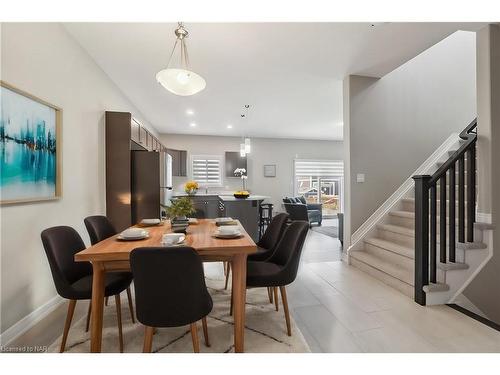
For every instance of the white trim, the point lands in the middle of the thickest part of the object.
(404, 189)
(30, 320)
(483, 218)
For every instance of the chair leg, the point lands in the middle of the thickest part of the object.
(148, 339)
(67, 324)
(106, 301)
(285, 307)
(228, 271)
(231, 304)
(88, 316)
(130, 305)
(270, 294)
(205, 331)
(276, 301)
(119, 316)
(194, 336)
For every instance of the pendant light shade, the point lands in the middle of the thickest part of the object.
(248, 146)
(180, 80)
(242, 150)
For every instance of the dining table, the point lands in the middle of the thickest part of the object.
(113, 255)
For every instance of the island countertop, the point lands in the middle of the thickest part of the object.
(225, 197)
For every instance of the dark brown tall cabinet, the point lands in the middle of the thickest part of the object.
(132, 181)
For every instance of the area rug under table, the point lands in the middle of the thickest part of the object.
(265, 329)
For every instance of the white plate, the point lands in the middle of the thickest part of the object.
(223, 219)
(228, 235)
(128, 238)
(150, 221)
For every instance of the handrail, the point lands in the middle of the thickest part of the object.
(426, 211)
(469, 136)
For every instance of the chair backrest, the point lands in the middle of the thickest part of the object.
(61, 244)
(169, 284)
(274, 231)
(289, 250)
(99, 228)
(297, 211)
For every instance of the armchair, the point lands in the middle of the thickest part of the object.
(299, 209)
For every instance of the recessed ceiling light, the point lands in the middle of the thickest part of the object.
(230, 126)
(189, 112)
(192, 124)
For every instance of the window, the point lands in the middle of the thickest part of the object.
(207, 169)
(320, 181)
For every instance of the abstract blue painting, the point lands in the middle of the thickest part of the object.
(28, 148)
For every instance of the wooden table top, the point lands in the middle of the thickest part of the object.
(199, 236)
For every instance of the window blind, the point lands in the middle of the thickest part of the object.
(319, 168)
(207, 169)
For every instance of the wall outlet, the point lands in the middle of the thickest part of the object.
(360, 177)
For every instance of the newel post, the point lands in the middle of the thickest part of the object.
(421, 236)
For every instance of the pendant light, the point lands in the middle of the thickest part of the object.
(247, 146)
(180, 80)
(242, 150)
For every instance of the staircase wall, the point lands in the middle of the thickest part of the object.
(394, 123)
(484, 290)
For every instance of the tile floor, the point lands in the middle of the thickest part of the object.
(341, 309)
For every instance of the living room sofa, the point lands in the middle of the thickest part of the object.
(299, 209)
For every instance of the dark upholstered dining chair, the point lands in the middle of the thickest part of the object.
(99, 228)
(73, 280)
(281, 269)
(170, 291)
(268, 242)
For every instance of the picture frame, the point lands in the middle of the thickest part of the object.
(270, 170)
(30, 147)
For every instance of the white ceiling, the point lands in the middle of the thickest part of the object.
(290, 73)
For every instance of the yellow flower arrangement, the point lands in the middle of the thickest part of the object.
(191, 187)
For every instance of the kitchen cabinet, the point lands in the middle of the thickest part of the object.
(124, 135)
(206, 206)
(179, 162)
(134, 131)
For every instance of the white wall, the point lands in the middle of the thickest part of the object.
(483, 290)
(42, 59)
(281, 152)
(394, 123)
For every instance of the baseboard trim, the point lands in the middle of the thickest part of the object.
(474, 316)
(26, 323)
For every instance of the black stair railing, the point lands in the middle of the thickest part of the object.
(451, 196)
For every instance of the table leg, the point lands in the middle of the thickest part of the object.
(97, 307)
(239, 268)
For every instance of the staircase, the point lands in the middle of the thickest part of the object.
(406, 242)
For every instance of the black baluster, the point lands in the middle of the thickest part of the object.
(470, 194)
(432, 270)
(442, 219)
(451, 225)
(461, 199)
(421, 237)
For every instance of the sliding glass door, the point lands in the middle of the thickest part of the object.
(320, 181)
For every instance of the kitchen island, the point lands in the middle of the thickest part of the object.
(211, 206)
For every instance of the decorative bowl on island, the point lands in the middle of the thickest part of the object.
(243, 194)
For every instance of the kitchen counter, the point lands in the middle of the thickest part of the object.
(211, 205)
(227, 198)
(223, 197)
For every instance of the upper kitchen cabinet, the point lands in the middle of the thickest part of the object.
(179, 162)
(234, 160)
(135, 131)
